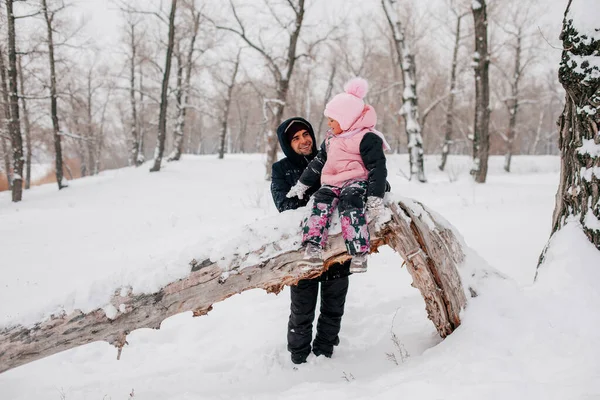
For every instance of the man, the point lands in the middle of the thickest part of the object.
(297, 140)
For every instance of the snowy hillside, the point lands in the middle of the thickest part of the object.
(518, 340)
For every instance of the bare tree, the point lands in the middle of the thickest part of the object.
(519, 27)
(481, 60)
(26, 125)
(14, 124)
(578, 195)
(132, 23)
(410, 104)
(459, 15)
(141, 157)
(162, 119)
(184, 84)
(327, 96)
(49, 18)
(4, 128)
(281, 71)
(230, 86)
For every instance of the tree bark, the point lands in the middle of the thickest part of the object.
(162, 118)
(184, 86)
(429, 248)
(135, 145)
(579, 141)
(538, 132)
(513, 104)
(227, 107)
(14, 124)
(49, 18)
(27, 126)
(450, 110)
(5, 120)
(481, 61)
(410, 103)
(142, 121)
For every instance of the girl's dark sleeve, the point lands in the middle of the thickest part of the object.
(371, 151)
(312, 174)
(279, 188)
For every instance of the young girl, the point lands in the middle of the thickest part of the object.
(351, 166)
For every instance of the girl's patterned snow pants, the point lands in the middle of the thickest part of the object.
(351, 200)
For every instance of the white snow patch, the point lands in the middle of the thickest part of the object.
(588, 146)
(110, 311)
(584, 14)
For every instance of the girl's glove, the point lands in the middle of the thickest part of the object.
(297, 190)
(374, 207)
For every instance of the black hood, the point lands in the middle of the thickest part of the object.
(287, 148)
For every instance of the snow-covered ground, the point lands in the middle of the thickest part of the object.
(518, 340)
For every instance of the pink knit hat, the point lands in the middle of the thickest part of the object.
(346, 107)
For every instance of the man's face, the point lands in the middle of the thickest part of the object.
(302, 142)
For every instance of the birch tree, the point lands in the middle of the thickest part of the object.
(481, 60)
(410, 103)
(133, 42)
(578, 195)
(184, 79)
(281, 66)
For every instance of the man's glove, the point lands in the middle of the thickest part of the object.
(374, 207)
(297, 190)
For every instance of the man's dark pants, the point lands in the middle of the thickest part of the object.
(300, 325)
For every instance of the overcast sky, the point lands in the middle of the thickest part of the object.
(104, 19)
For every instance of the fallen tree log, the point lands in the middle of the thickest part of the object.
(429, 248)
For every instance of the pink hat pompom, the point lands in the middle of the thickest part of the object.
(357, 87)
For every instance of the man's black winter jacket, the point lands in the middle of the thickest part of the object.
(285, 174)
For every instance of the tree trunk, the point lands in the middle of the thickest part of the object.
(27, 126)
(481, 61)
(319, 134)
(162, 118)
(514, 105)
(90, 133)
(429, 248)
(538, 132)
(450, 110)
(135, 145)
(410, 104)
(142, 122)
(14, 125)
(179, 105)
(185, 91)
(99, 136)
(283, 85)
(5, 131)
(579, 141)
(54, 98)
(227, 107)
(410, 112)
